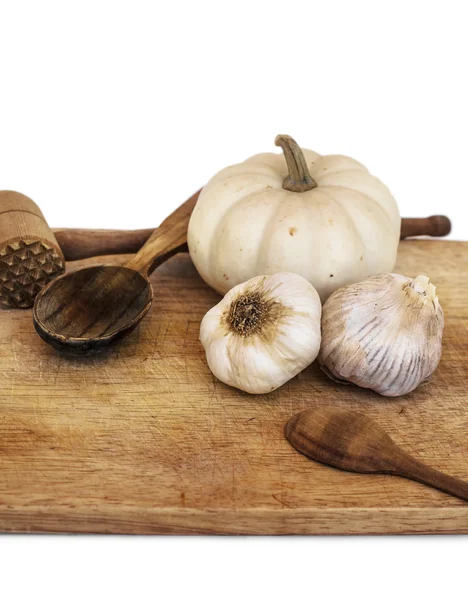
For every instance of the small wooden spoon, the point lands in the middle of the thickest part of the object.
(85, 311)
(353, 442)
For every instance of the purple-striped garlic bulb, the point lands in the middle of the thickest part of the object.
(384, 333)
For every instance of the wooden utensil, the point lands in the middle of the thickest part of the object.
(30, 256)
(351, 441)
(84, 311)
(77, 244)
(435, 226)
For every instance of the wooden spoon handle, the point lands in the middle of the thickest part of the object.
(435, 226)
(168, 239)
(411, 468)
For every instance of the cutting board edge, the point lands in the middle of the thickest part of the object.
(256, 521)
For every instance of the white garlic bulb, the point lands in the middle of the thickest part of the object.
(263, 332)
(384, 333)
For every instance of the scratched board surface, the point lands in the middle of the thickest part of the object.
(143, 439)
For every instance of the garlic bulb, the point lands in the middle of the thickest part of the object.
(384, 333)
(263, 333)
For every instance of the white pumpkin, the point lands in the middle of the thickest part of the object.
(323, 217)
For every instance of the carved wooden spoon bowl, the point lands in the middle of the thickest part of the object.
(351, 441)
(85, 311)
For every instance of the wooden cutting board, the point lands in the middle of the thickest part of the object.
(145, 440)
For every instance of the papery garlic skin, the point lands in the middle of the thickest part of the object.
(263, 332)
(384, 333)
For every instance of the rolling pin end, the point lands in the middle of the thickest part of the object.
(441, 224)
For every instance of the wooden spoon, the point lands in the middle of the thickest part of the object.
(353, 442)
(85, 311)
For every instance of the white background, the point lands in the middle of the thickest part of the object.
(113, 113)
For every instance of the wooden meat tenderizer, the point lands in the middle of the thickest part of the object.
(30, 256)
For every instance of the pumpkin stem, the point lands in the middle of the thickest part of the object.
(298, 178)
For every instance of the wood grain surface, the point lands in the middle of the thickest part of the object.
(144, 440)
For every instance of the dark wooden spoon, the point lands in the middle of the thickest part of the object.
(85, 311)
(351, 441)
